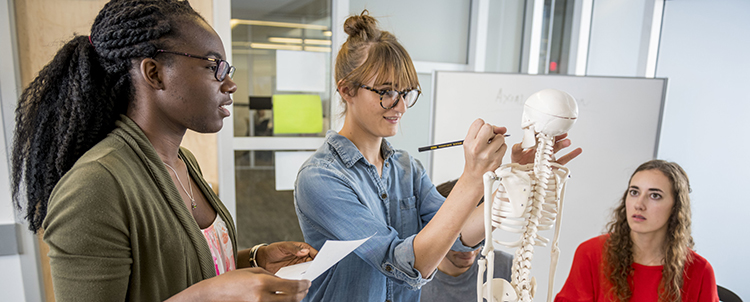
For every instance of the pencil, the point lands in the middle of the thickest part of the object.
(444, 145)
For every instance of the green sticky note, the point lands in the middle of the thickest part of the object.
(297, 113)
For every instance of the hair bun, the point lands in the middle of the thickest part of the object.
(362, 26)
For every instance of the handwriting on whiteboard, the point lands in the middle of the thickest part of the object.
(509, 98)
(519, 99)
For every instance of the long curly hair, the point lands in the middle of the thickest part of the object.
(75, 100)
(619, 247)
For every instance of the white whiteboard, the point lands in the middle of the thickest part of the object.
(618, 128)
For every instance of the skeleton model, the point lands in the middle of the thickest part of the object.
(528, 198)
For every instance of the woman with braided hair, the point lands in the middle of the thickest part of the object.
(98, 166)
(647, 253)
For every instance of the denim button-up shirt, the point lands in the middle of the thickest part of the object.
(340, 196)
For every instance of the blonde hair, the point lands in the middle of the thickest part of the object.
(370, 52)
(618, 253)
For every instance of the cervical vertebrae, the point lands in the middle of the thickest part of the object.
(528, 198)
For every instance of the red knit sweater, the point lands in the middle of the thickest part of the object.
(587, 282)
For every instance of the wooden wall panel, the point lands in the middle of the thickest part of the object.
(43, 26)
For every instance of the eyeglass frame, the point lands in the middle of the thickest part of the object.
(230, 70)
(401, 95)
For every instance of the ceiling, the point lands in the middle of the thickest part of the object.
(298, 11)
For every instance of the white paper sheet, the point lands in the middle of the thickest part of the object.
(331, 253)
(300, 71)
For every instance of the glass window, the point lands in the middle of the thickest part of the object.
(554, 53)
(264, 214)
(263, 31)
(267, 38)
(505, 34)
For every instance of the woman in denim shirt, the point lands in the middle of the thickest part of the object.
(356, 185)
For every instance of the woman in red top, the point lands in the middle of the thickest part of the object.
(647, 253)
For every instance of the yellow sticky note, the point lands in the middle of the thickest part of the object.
(297, 113)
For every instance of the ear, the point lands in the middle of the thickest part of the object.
(150, 73)
(344, 90)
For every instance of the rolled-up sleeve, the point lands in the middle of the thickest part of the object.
(329, 207)
(404, 265)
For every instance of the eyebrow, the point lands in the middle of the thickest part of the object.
(385, 84)
(391, 86)
(215, 54)
(650, 189)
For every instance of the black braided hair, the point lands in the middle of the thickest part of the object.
(75, 100)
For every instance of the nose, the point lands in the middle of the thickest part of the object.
(639, 204)
(401, 105)
(228, 85)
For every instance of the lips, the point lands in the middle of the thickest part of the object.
(223, 109)
(391, 119)
(639, 218)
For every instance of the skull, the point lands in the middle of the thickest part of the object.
(549, 111)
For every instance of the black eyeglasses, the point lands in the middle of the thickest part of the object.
(389, 98)
(221, 70)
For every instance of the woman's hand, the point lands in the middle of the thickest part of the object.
(521, 156)
(245, 284)
(285, 253)
(484, 148)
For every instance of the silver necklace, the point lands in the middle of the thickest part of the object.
(190, 195)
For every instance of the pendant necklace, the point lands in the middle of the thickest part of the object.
(190, 195)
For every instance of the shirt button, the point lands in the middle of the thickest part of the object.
(388, 268)
(386, 165)
(384, 196)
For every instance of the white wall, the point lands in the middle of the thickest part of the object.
(703, 52)
(432, 31)
(504, 35)
(616, 37)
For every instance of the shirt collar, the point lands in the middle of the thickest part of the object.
(349, 153)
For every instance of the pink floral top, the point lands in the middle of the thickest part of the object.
(217, 237)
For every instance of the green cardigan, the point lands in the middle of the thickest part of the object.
(117, 228)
